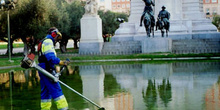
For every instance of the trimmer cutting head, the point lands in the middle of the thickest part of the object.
(101, 108)
(28, 61)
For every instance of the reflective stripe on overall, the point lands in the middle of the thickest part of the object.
(50, 89)
(47, 47)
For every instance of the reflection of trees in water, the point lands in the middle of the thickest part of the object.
(165, 91)
(150, 98)
(68, 70)
(34, 79)
(31, 78)
(212, 96)
(72, 78)
(218, 82)
(4, 86)
(75, 70)
(26, 89)
(24, 85)
(111, 87)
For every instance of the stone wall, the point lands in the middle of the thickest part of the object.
(198, 43)
(179, 46)
(185, 46)
(121, 48)
(195, 67)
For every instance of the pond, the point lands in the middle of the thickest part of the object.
(131, 86)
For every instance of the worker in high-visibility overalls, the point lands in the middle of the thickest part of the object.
(47, 60)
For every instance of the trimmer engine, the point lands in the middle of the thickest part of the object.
(27, 61)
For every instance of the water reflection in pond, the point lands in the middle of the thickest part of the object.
(179, 85)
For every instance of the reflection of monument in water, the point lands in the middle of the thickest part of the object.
(187, 18)
(93, 82)
(181, 81)
(186, 80)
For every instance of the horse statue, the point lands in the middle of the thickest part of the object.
(148, 24)
(163, 26)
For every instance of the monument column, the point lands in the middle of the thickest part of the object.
(91, 41)
(192, 9)
(137, 8)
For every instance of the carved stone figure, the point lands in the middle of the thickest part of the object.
(91, 7)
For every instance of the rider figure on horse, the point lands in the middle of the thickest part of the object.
(164, 15)
(148, 9)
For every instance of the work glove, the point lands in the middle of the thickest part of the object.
(66, 62)
(57, 75)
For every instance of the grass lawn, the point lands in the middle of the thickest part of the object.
(5, 61)
(80, 59)
(15, 45)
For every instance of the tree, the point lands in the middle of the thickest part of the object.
(216, 21)
(76, 11)
(4, 25)
(109, 21)
(31, 21)
(28, 23)
(63, 23)
(32, 18)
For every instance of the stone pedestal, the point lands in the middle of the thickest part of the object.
(91, 41)
(125, 32)
(151, 45)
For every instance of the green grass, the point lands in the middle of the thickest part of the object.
(15, 45)
(69, 51)
(5, 61)
(138, 56)
(78, 59)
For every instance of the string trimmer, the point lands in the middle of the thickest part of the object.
(28, 62)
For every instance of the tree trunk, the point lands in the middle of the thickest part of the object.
(63, 45)
(33, 42)
(25, 48)
(75, 41)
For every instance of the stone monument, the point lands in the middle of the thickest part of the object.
(91, 41)
(131, 31)
(187, 18)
